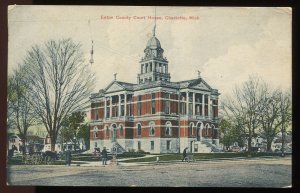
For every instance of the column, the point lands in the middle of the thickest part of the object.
(119, 109)
(125, 104)
(208, 106)
(110, 107)
(194, 103)
(105, 107)
(203, 105)
(166, 68)
(187, 103)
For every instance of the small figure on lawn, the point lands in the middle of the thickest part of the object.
(68, 156)
(104, 156)
(184, 154)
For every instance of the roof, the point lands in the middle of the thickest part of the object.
(116, 86)
(153, 43)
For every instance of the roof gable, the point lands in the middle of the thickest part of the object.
(114, 87)
(201, 86)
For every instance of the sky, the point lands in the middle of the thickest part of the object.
(225, 44)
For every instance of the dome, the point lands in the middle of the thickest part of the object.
(153, 43)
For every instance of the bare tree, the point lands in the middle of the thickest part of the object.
(20, 112)
(284, 115)
(60, 82)
(242, 107)
(268, 117)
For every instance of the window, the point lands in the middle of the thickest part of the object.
(153, 103)
(95, 132)
(168, 129)
(182, 108)
(107, 132)
(97, 116)
(168, 144)
(115, 111)
(107, 112)
(167, 103)
(139, 145)
(139, 106)
(190, 108)
(121, 130)
(151, 128)
(197, 109)
(139, 129)
(151, 145)
(206, 130)
(122, 110)
(191, 129)
(96, 144)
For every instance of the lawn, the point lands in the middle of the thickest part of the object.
(18, 161)
(200, 156)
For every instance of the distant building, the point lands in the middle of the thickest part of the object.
(155, 115)
(33, 143)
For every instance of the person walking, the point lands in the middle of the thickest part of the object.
(184, 154)
(104, 156)
(68, 156)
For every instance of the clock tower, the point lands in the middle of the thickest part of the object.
(154, 66)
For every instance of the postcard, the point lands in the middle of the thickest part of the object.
(149, 96)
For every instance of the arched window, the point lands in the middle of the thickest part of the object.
(107, 131)
(95, 132)
(206, 129)
(121, 129)
(139, 129)
(191, 129)
(168, 128)
(212, 130)
(113, 132)
(151, 128)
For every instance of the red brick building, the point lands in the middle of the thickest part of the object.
(155, 115)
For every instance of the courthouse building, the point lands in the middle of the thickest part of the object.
(155, 115)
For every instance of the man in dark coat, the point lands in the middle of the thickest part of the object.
(104, 156)
(184, 154)
(68, 156)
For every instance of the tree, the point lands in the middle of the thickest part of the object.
(84, 132)
(231, 133)
(20, 112)
(60, 82)
(268, 117)
(74, 128)
(242, 107)
(284, 115)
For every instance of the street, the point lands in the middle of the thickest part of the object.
(255, 172)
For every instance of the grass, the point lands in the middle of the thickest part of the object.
(200, 156)
(18, 161)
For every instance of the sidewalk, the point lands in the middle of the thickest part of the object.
(120, 163)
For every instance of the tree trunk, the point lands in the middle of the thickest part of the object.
(23, 146)
(249, 144)
(53, 141)
(269, 144)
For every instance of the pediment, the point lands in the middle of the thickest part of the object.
(114, 87)
(201, 86)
